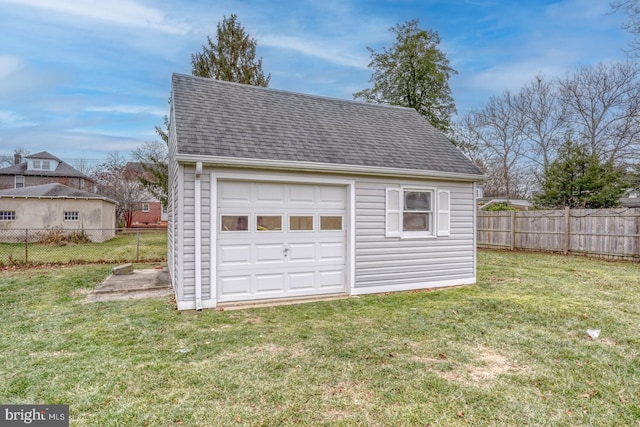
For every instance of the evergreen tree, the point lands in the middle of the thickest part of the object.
(231, 58)
(413, 73)
(577, 179)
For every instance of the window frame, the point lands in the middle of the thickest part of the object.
(268, 230)
(145, 207)
(222, 230)
(7, 215)
(19, 178)
(438, 216)
(71, 215)
(306, 230)
(429, 213)
(328, 230)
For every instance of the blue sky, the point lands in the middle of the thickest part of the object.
(84, 78)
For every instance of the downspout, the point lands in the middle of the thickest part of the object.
(198, 243)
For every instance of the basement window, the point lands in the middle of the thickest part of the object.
(7, 215)
(71, 216)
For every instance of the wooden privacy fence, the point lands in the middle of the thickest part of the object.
(607, 233)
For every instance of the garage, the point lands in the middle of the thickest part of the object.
(280, 240)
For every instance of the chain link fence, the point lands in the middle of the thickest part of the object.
(19, 247)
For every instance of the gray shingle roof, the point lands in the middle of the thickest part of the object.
(217, 118)
(64, 170)
(53, 190)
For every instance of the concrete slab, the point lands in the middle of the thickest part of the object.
(148, 283)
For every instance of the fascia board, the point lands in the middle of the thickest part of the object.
(323, 167)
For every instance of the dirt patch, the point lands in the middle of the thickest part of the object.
(485, 367)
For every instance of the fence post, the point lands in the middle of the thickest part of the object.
(566, 230)
(138, 245)
(26, 245)
(637, 254)
(513, 230)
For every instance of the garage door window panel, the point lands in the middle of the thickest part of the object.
(234, 223)
(301, 223)
(330, 223)
(268, 223)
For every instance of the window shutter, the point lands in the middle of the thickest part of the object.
(444, 214)
(393, 213)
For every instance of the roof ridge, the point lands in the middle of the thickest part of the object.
(289, 92)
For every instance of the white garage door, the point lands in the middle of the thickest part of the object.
(279, 240)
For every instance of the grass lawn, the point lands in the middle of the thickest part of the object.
(510, 351)
(148, 246)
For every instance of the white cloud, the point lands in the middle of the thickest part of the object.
(128, 109)
(9, 65)
(118, 12)
(326, 51)
(9, 119)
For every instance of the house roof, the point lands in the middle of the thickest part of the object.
(231, 120)
(43, 155)
(64, 170)
(630, 202)
(50, 191)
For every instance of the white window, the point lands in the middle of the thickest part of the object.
(7, 215)
(19, 181)
(72, 216)
(37, 164)
(145, 207)
(46, 165)
(415, 212)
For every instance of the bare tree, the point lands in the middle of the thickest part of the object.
(85, 166)
(632, 9)
(119, 182)
(6, 160)
(498, 129)
(545, 122)
(9, 159)
(603, 104)
(153, 158)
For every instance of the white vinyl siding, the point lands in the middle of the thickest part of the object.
(386, 262)
(188, 224)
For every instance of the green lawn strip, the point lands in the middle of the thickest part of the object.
(147, 247)
(511, 350)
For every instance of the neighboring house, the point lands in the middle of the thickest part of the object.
(276, 195)
(632, 199)
(43, 168)
(149, 213)
(51, 206)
